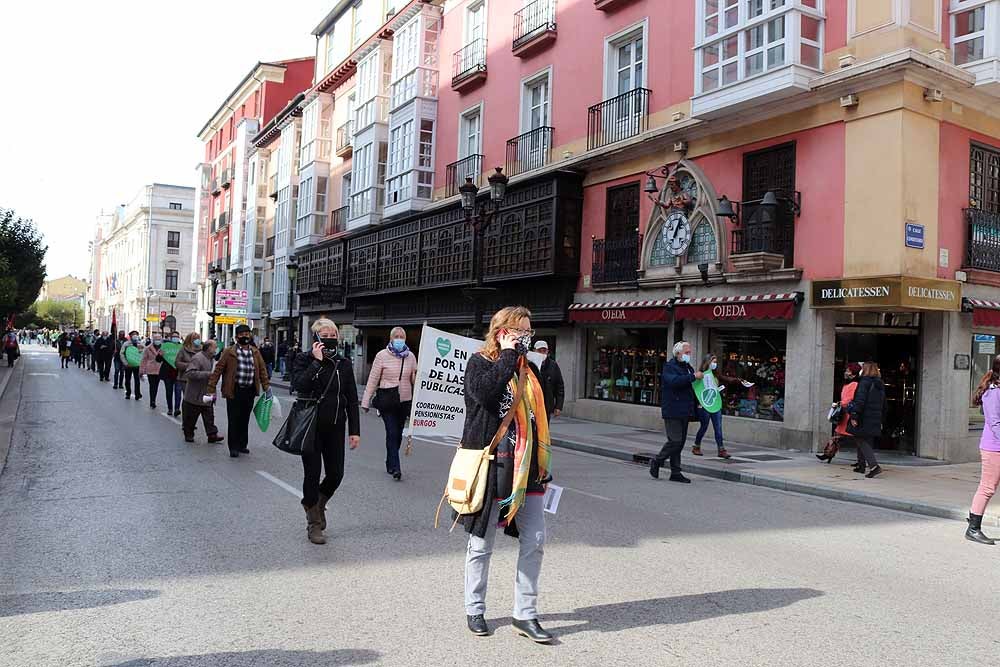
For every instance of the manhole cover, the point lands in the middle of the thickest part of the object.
(766, 457)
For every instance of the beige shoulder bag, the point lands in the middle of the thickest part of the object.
(467, 479)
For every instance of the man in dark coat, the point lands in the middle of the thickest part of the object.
(267, 353)
(677, 408)
(104, 351)
(551, 378)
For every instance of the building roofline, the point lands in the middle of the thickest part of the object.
(332, 16)
(265, 135)
(282, 64)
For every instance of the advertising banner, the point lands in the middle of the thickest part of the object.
(439, 395)
(231, 301)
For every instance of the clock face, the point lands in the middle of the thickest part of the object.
(676, 233)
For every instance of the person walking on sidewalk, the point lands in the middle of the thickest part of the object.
(11, 347)
(244, 376)
(132, 374)
(197, 369)
(325, 374)
(267, 354)
(292, 354)
(840, 432)
(119, 364)
(390, 385)
(553, 387)
(150, 367)
(711, 363)
(987, 396)
(677, 409)
(865, 421)
(499, 380)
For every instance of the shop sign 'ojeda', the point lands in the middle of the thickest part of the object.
(887, 293)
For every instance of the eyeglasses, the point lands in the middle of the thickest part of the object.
(523, 332)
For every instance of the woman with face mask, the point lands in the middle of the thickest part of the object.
(168, 375)
(711, 363)
(150, 367)
(323, 374)
(197, 369)
(394, 368)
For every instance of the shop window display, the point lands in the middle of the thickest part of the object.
(984, 349)
(624, 365)
(758, 357)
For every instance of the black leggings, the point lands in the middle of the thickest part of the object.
(328, 456)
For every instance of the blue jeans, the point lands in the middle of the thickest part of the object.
(704, 416)
(393, 439)
(270, 370)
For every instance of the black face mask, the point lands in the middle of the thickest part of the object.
(329, 343)
(245, 340)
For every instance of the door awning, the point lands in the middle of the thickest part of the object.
(621, 312)
(738, 308)
(984, 313)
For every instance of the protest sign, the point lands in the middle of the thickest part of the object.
(439, 393)
(708, 392)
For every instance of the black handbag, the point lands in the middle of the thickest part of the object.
(298, 434)
(388, 400)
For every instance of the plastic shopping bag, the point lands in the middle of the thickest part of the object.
(262, 412)
(277, 413)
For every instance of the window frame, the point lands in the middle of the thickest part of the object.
(173, 235)
(526, 107)
(176, 206)
(611, 46)
(476, 6)
(476, 111)
(991, 17)
(166, 279)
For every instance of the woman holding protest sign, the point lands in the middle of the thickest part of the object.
(390, 391)
(504, 401)
(713, 379)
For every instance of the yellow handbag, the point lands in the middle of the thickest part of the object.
(468, 476)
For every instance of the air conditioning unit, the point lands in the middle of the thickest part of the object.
(848, 101)
(933, 94)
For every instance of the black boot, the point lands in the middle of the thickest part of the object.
(654, 468)
(974, 532)
(532, 630)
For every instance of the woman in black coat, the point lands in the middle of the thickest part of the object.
(513, 501)
(866, 415)
(323, 369)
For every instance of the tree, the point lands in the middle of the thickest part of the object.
(22, 263)
(66, 313)
(31, 319)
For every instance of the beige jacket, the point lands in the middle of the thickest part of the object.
(386, 374)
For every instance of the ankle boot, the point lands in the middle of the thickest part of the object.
(321, 506)
(313, 530)
(974, 532)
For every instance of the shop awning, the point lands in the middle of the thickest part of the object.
(621, 312)
(738, 308)
(984, 313)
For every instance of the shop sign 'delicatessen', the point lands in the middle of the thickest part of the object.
(888, 293)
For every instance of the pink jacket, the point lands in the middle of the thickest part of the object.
(385, 374)
(148, 365)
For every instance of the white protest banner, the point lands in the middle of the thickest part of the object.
(439, 394)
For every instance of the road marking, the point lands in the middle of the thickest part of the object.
(287, 487)
(589, 495)
(51, 375)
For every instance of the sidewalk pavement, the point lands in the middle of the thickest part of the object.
(909, 484)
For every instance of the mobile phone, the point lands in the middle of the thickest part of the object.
(316, 338)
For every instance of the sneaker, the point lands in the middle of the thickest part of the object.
(877, 470)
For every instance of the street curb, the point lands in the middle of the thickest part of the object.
(780, 484)
(8, 412)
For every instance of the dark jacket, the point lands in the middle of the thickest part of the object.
(485, 387)
(310, 379)
(267, 353)
(867, 408)
(104, 348)
(675, 387)
(553, 386)
(226, 370)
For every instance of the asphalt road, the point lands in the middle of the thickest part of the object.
(122, 545)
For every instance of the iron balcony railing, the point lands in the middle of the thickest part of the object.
(982, 247)
(774, 237)
(529, 151)
(345, 137)
(337, 222)
(457, 172)
(619, 118)
(616, 261)
(469, 60)
(533, 20)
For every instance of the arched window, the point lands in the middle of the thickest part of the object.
(704, 247)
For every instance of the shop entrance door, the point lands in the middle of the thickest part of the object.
(897, 352)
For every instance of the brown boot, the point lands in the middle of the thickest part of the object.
(313, 530)
(321, 506)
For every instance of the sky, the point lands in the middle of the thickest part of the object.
(100, 98)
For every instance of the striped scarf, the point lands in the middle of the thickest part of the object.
(530, 408)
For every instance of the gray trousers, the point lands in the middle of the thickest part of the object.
(530, 521)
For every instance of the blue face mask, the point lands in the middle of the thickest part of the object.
(398, 344)
(196, 344)
(713, 365)
(686, 358)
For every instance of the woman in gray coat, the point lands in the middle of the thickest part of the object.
(197, 367)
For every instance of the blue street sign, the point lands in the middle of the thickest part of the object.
(914, 236)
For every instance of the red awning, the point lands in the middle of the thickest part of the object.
(621, 312)
(738, 308)
(984, 313)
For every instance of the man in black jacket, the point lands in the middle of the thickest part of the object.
(553, 387)
(104, 351)
(267, 353)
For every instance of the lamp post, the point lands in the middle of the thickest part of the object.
(90, 313)
(214, 274)
(293, 272)
(481, 219)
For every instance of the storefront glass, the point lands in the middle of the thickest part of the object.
(984, 349)
(624, 365)
(756, 356)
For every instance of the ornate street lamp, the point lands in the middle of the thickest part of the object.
(480, 220)
(214, 274)
(293, 273)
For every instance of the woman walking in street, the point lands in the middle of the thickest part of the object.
(323, 374)
(197, 368)
(171, 384)
(711, 363)
(150, 367)
(988, 397)
(865, 423)
(11, 347)
(62, 344)
(847, 392)
(390, 388)
(498, 380)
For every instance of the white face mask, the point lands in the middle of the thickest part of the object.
(686, 358)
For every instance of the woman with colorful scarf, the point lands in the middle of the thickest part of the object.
(395, 367)
(520, 470)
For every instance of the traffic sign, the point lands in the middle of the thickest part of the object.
(230, 319)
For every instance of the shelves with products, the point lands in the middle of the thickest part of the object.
(627, 374)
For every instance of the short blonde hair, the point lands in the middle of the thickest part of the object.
(397, 330)
(323, 323)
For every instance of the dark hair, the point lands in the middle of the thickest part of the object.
(990, 379)
(706, 361)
